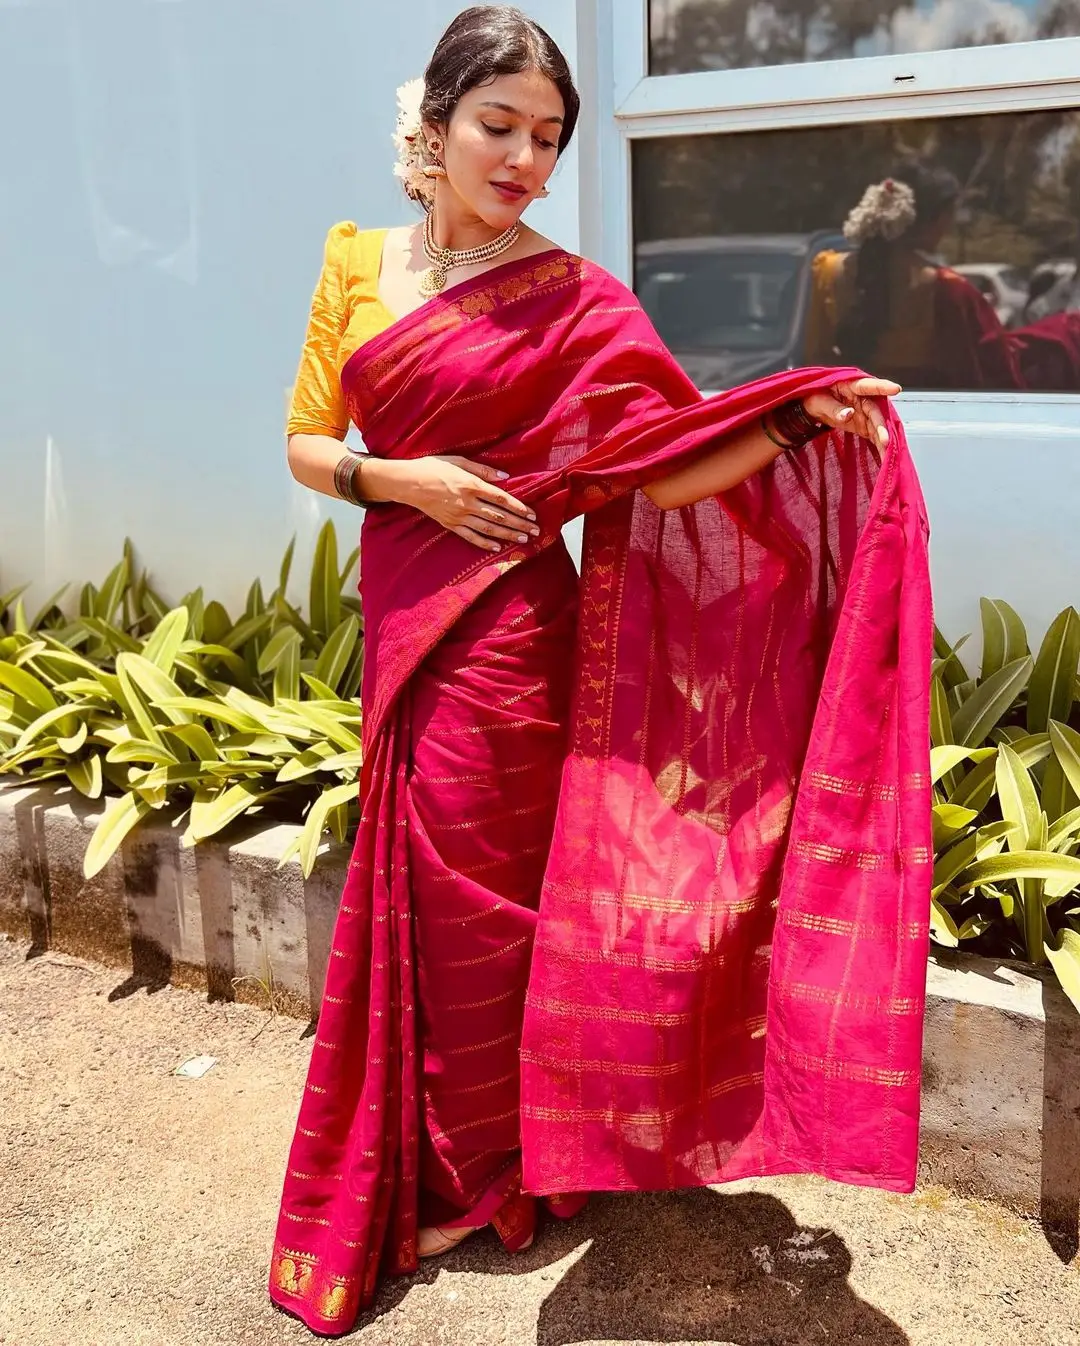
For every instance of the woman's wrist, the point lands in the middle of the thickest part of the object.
(365, 480)
(790, 426)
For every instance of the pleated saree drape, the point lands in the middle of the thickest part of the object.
(639, 895)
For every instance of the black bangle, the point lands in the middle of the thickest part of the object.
(771, 434)
(794, 424)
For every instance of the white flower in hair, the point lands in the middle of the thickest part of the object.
(887, 210)
(409, 141)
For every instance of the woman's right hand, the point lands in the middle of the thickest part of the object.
(463, 496)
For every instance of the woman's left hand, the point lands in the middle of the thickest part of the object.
(853, 405)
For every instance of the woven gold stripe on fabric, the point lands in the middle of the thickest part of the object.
(856, 859)
(477, 1088)
(479, 1121)
(640, 961)
(520, 332)
(654, 902)
(608, 1014)
(489, 957)
(627, 1069)
(603, 392)
(837, 925)
(752, 1080)
(651, 1117)
(870, 1004)
(306, 1219)
(482, 1004)
(480, 1046)
(857, 789)
(839, 855)
(491, 818)
(852, 1071)
(486, 777)
(478, 729)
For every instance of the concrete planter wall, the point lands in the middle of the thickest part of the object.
(222, 917)
(1001, 1096)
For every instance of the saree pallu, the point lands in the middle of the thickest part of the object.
(700, 921)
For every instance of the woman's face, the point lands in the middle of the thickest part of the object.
(502, 145)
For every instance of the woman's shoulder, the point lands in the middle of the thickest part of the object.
(352, 250)
(602, 280)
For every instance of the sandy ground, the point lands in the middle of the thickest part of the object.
(136, 1209)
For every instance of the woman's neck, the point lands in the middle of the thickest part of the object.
(458, 229)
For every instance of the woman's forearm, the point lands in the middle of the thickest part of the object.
(734, 458)
(312, 459)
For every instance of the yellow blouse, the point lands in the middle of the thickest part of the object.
(346, 311)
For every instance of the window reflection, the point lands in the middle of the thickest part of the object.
(688, 35)
(943, 254)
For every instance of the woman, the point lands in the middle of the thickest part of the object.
(633, 744)
(890, 304)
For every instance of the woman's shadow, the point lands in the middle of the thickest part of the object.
(685, 1266)
(703, 1266)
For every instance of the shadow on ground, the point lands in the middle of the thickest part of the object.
(693, 1266)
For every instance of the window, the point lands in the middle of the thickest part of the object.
(740, 137)
(688, 35)
(979, 289)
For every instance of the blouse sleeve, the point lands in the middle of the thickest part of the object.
(318, 404)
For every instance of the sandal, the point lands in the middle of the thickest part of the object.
(514, 1222)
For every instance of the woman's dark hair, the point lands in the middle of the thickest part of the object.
(936, 192)
(487, 41)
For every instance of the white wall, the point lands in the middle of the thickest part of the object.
(167, 175)
(168, 172)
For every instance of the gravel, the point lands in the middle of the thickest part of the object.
(137, 1209)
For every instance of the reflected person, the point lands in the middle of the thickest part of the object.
(890, 304)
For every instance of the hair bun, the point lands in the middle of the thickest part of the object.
(887, 210)
(410, 144)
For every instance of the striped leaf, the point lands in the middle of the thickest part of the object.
(1064, 956)
(27, 687)
(120, 816)
(1066, 745)
(85, 774)
(1053, 681)
(325, 601)
(1020, 865)
(334, 657)
(1018, 800)
(941, 730)
(948, 755)
(1004, 637)
(164, 643)
(315, 822)
(983, 709)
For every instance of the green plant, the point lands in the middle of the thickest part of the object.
(1005, 764)
(187, 708)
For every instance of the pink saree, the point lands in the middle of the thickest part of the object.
(639, 896)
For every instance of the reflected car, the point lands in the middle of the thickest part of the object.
(731, 308)
(1002, 285)
(1055, 288)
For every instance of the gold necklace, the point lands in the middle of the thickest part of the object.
(444, 260)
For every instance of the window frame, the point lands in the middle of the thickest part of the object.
(629, 104)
